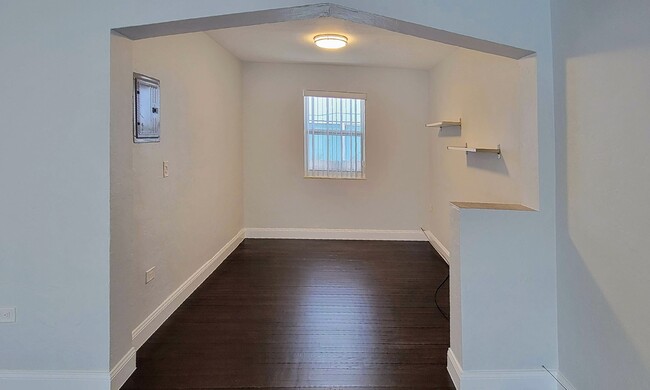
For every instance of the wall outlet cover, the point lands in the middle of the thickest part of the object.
(8, 314)
(150, 275)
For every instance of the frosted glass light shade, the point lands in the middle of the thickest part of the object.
(331, 41)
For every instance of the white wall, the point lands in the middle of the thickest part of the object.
(177, 223)
(277, 195)
(602, 62)
(55, 163)
(124, 270)
(54, 196)
(502, 269)
(503, 300)
(495, 97)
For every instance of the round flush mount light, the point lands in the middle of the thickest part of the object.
(330, 41)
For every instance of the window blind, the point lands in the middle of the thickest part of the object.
(335, 134)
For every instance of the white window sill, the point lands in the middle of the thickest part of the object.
(335, 178)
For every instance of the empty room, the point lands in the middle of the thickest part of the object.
(302, 195)
(312, 163)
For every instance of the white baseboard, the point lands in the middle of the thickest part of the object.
(565, 382)
(113, 380)
(535, 379)
(143, 331)
(453, 368)
(54, 380)
(437, 245)
(336, 234)
(123, 370)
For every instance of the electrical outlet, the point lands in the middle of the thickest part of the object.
(8, 314)
(165, 168)
(150, 275)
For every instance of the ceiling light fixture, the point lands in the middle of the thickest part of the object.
(330, 41)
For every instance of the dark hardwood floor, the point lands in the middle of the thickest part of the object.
(287, 314)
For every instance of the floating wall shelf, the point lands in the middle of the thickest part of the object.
(444, 124)
(467, 149)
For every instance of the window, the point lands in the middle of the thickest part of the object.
(335, 134)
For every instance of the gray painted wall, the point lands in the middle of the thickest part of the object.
(602, 97)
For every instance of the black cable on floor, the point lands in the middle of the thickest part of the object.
(554, 377)
(435, 298)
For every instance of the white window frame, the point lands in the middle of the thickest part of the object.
(335, 174)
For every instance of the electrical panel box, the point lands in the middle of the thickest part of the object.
(146, 109)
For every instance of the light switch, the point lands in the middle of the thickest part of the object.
(8, 314)
(165, 168)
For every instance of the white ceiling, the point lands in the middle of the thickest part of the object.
(293, 42)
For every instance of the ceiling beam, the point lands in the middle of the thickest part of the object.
(320, 11)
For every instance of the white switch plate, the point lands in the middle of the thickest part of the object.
(165, 168)
(8, 314)
(150, 275)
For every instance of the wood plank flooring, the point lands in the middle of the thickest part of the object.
(292, 314)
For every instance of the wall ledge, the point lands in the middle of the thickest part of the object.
(492, 206)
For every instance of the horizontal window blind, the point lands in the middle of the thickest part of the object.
(335, 134)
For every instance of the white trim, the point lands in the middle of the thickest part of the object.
(123, 370)
(533, 379)
(336, 234)
(335, 94)
(563, 379)
(143, 331)
(453, 368)
(54, 380)
(437, 245)
(315, 11)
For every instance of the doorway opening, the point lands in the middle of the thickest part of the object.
(234, 142)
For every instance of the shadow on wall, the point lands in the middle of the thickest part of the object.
(449, 132)
(595, 351)
(596, 346)
(488, 162)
